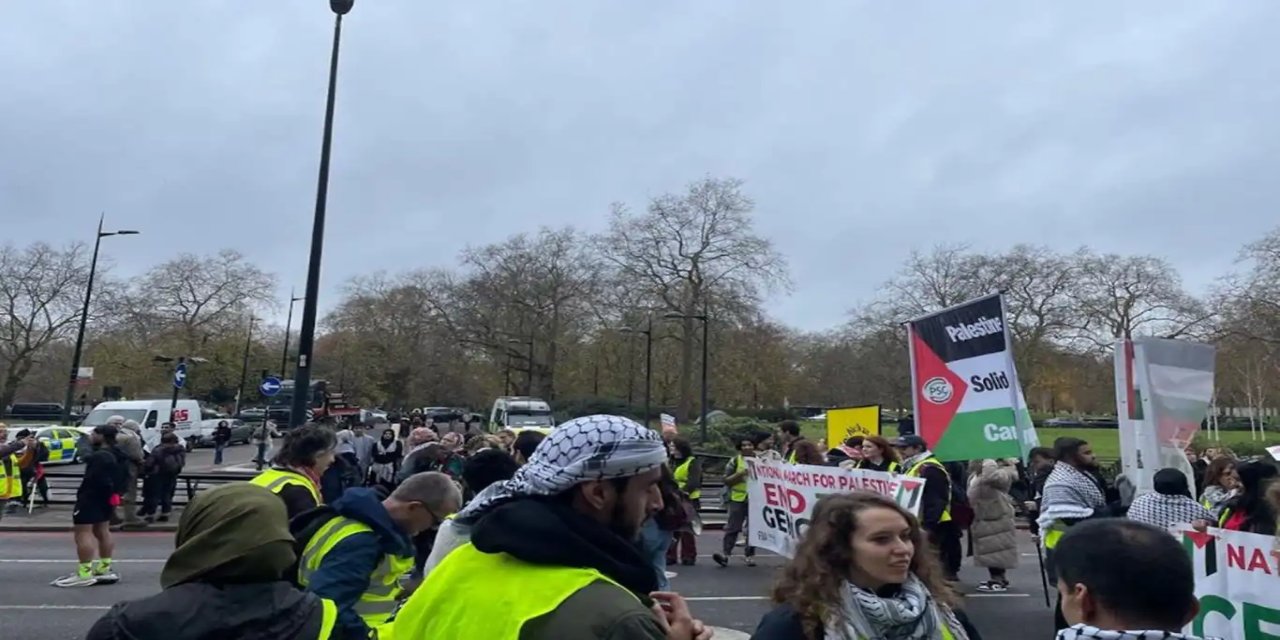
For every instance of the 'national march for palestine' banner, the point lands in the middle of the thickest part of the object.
(968, 402)
(1236, 575)
(781, 497)
(1163, 391)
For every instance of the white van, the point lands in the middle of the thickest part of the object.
(521, 412)
(150, 414)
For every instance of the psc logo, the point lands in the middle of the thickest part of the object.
(937, 390)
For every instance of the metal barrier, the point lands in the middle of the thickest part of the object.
(64, 483)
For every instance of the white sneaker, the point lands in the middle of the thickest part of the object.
(75, 581)
(108, 577)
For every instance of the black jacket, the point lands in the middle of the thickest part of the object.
(202, 611)
(936, 497)
(783, 623)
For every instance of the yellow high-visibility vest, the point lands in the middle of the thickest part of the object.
(738, 492)
(474, 595)
(11, 480)
(380, 598)
(328, 618)
(275, 480)
(915, 472)
(681, 474)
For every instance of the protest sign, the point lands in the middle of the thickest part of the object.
(669, 424)
(781, 497)
(968, 402)
(845, 422)
(1236, 576)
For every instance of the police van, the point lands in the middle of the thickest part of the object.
(518, 413)
(149, 414)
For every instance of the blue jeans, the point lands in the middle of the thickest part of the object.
(653, 545)
(217, 453)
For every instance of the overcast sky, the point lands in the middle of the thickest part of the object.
(862, 129)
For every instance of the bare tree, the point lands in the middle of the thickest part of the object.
(692, 251)
(41, 289)
(203, 296)
(1125, 296)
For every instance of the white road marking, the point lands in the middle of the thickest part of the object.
(46, 607)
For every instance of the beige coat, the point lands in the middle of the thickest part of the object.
(995, 543)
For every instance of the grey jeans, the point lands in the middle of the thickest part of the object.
(738, 512)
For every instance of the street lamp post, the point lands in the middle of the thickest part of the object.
(706, 324)
(307, 333)
(84, 316)
(648, 363)
(244, 368)
(288, 324)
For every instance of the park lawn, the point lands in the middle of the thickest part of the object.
(1106, 442)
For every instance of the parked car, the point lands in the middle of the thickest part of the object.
(36, 411)
(252, 414)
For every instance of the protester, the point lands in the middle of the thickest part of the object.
(221, 440)
(105, 473)
(935, 501)
(344, 473)
(993, 532)
(687, 472)
(1170, 503)
(564, 527)
(878, 454)
(806, 452)
(507, 437)
(423, 458)
(735, 484)
(1124, 580)
(848, 454)
(863, 570)
(658, 531)
(305, 454)
(129, 441)
(1071, 494)
(225, 579)
(31, 463)
(385, 460)
(789, 436)
(160, 479)
(355, 551)
(10, 471)
(482, 471)
(1221, 484)
(525, 444)
(1199, 465)
(364, 444)
(485, 468)
(1249, 511)
(1040, 461)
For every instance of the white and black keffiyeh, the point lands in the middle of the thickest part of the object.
(1163, 511)
(1069, 493)
(911, 614)
(589, 448)
(1086, 632)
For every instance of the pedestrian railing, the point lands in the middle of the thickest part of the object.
(64, 483)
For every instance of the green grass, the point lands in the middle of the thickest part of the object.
(1106, 442)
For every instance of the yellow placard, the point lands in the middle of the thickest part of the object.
(846, 422)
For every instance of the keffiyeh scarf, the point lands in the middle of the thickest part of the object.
(1160, 510)
(911, 614)
(1086, 632)
(1069, 493)
(589, 448)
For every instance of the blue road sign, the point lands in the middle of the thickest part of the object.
(180, 375)
(270, 386)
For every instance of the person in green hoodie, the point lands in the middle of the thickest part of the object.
(226, 578)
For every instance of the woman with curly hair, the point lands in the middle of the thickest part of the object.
(863, 570)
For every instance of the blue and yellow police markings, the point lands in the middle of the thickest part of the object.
(61, 443)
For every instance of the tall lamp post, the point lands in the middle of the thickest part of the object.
(307, 333)
(706, 323)
(288, 324)
(84, 316)
(648, 363)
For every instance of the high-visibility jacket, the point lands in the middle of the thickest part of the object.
(380, 598)
(892, 467)
(275, 480)
(328, 619)
(681, 474)
(915, 473)
(474, 595)
(10, 478)
(738, 492)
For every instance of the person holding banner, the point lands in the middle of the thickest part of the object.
(735, 484)
(1249, 511)
(935, 506)
(879, 455)
(863, 571)
(687, 471)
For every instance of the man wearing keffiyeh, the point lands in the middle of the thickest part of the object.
(1124, 580)
(564, 528)
(1071, 494)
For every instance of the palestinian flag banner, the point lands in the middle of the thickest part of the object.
(1163, 391)
(968, 403)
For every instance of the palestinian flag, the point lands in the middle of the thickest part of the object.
(968, 403)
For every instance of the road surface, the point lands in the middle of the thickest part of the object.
(732, 598)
